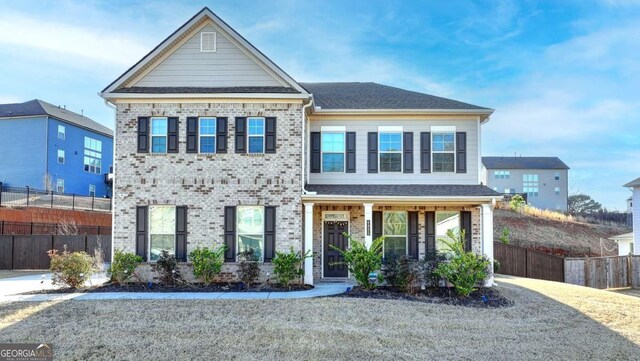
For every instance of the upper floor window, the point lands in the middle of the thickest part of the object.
(61, 132)
(250, 229)
(92, 155)
(556, 175)
(390, 153)
(501, 174)
(162, 230)
(208, 41)
(61, 156)
(207, 134)
(256, 135)
(158, 135)
(60, 185)
(333, 147)
(395, 232)
(530, 184)
(443, 149)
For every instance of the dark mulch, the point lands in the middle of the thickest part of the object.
(191, 287)
(483, 297)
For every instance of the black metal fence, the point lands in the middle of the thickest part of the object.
(7, 227)
(31, 197)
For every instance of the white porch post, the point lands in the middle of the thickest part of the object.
(487, 236)
(308, 243)
(368, 224)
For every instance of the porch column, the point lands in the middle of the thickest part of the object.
(487, 236)
(368, 224)
(308, 243)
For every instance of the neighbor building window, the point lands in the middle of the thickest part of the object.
(92, 190)
(390, 152)
(530, 184)
(509, 190)
(250, 229)
(62, 132)
(501, 174)
(60, 185)
(557, 190)
(158, 135)
(333, 147)
(207, 134)
(92, 155)
(395, 231)
(256, 135)
(61, 156)
(556, 175)
(445, 222)
(444, 149)
(162, 228)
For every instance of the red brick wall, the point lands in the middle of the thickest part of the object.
(54, 216)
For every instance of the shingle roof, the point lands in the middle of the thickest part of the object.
(633, 183)
(403, 190)
(523, 163)
(189, 90)
(378, 96)
(39, 107)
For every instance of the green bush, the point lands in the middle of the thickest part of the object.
(362, 261)
(70, 269)
(123, 266)
(517, 203)
(167, 266)
(465, 269)
(504, 237)
(248, 267)
(207, 263)
(427, 268)
(400, 272)
(288, 266)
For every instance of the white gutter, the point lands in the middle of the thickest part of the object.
(483, 113)
(113, 164)
(304, 136)
(396, 199)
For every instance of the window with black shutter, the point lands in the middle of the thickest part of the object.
(172, 134)
(315, 154)
(270, 135)
(351, 152)
(372, 152)
(408, 152)
(425, 152)
(192, 134)
(241, 135)
(461, 152)
(143, 134)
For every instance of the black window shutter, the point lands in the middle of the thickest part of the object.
(461, 152)
(141, 231)
(270, 135)
(408, 152)
(221, 135)
(465, 223)
(143, 134)
(414, 235)
(230, 233)
(430, 222)
(377, 224)
(425, 152)
(351, 152)
(315, 152)
(181, 233)
(269, 233)
(241, 129)
(172, 135)
(192, 134)
(372, 145)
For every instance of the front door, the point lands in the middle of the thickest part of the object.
(333, 236)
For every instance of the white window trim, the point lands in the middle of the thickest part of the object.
(249, 136)
(64, 132)
(406, 236)
(443, 129)
(238, 233)
(166, 135)
(64, 156)
(401, 151)
(337, 128)
(200, 136)
(149, 233)
(434, 152)
(344, 153)
(390, 128)
(215, 41)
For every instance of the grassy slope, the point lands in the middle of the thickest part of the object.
(530, 230)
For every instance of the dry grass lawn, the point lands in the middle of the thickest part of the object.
(19, 273)
(550, 321)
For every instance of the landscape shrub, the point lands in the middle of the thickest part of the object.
(248, 267)
(362, 261)
(400, 272)
(288, 266)
(123, 266)
(167, 267)
(504, 237)
(464, 269)
(427, 268)
(516, 203)
(70, 269)
(207, 262)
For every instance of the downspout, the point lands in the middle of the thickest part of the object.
(113, 182)
(304, 137)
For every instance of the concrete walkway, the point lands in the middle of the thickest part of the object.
(10, 286)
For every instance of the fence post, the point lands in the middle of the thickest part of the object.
(2, 228)
(73, 202)
(98, 230)
(51, 198)
(13, 246)
(27, 196)
(0, 194)
(93, 198)
(31, 228)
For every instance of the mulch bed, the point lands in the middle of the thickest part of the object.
(482, 298)
(160, 288)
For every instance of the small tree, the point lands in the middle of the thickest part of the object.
(362, 261)
(248, 267)
(207, 263)
(517, 203)
(288, 266)
(582, 204)
(465, 269)
(504, 237)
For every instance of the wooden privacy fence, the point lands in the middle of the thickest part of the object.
(603, 272)
(525, 262)
(30, 251)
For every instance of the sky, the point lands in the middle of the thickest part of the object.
(562, 76)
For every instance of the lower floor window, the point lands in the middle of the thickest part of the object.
(162, 230)
(250, 230)
(92, 190)
(446, 221)
(395, 232)
(60, 185)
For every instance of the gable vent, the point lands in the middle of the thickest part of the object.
(208, 42)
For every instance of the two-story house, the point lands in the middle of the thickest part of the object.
(51, 148)
(545, 180)
(215, 144)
